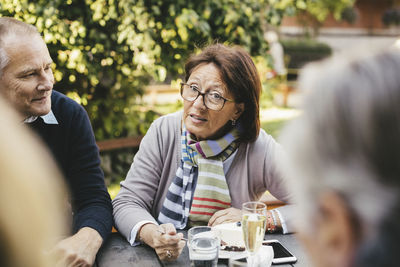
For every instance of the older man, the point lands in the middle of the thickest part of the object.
(26, 80)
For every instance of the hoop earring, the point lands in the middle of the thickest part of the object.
(233, 122)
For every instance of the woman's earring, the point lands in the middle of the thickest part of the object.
(233, 122)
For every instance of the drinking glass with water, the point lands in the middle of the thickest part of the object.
(203, 247)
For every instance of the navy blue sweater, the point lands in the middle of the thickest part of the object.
(73, 145)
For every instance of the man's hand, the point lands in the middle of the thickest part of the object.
(225, 216)
(79, 249)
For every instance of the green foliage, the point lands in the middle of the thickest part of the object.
(183, 26)
(265, 66)
(310, 13)
(391, 17)
(303, 51)
(95, 64)
(349, 14)
(106, 51)
(317, 9)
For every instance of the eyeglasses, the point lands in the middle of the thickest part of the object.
(212, 100)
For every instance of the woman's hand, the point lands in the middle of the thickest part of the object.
(164, 239)
(225, 216)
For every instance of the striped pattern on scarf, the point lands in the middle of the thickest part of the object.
(205, 193)
(212, 192)
(177, 202)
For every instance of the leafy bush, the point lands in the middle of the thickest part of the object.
(391, 17)
(107, 51)
(349, 14)
(301, 52)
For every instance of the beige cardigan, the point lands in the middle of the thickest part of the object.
(142, 194)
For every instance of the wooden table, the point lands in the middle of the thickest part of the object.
(117, 252)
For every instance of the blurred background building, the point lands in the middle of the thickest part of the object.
(371, 23)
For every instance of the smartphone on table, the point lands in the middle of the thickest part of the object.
(281, 254)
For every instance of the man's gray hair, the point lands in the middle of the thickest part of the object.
(3, 60)
(10, 26)
(348, 139)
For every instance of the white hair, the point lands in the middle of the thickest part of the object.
(31, 198)
(10, 26)
(348, 139)
(4, 59)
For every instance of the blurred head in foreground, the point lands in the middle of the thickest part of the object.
(31, 196)
(343, 162)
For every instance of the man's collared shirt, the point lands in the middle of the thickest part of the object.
(49, 118)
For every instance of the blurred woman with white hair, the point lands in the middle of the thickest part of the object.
(32, 197)
(343, 160)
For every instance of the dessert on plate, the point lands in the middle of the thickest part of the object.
(231, 236)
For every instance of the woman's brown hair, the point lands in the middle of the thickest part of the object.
(241, 78)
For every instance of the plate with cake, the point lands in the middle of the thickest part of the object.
(232, 242)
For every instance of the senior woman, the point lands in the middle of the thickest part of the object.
(344, 161)
(198, 166)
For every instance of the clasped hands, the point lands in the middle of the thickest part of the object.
(168, 244)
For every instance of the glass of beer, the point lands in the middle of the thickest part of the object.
(254, 222)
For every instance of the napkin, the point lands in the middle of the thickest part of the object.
(264, 256)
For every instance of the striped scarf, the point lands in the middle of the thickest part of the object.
(199, 188)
